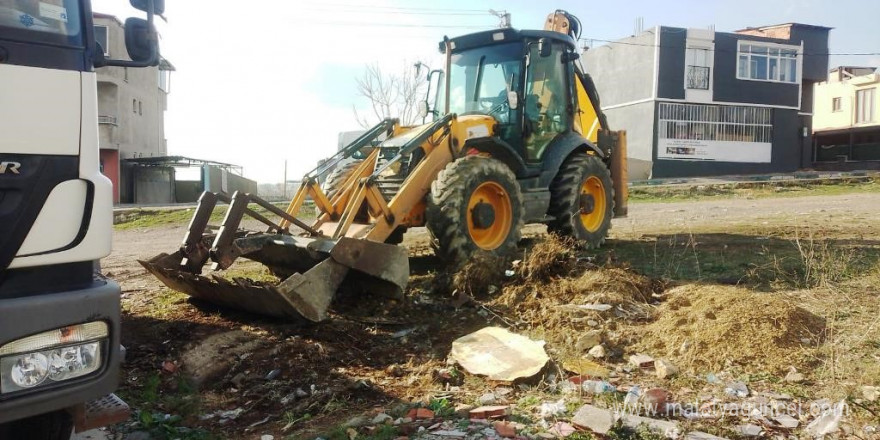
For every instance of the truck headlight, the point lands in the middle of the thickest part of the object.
(54, 356)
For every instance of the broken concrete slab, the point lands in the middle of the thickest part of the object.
(664, 427)
(213, 356)
(499, 354)
(786, 421)
(598, 420)
(748, 430)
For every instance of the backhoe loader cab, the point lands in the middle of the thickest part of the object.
(516, 137)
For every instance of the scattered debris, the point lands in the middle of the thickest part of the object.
(505, 429)
(598, 352)
(665, 369)
(828, 422)
(585, 367)
(488, 399)
(794, 377)
(489, 412)
(272, 375)
(641, 361)
(871, 393)
(499, 354)
(748, 430)
(588, 340)
(737, 389)
(552, 409)
(598, 420)
(787, 421)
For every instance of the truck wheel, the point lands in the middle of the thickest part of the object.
(475, 204)
(335, 179)
(56, 425)
(582, 200)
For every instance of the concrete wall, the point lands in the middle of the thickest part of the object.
(638, 120)
(153, 185)
(623, 72)
(219, 180)
(131, 102)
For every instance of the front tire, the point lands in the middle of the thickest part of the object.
(582, 200)
(475, 205)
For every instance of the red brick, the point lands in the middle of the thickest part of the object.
(488, 412)
(505, 429)
(424, 413)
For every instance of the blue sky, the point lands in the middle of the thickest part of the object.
(270, 80)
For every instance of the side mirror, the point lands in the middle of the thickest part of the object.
(570, 56)
(512, 100)
(100, 60)
(545, 48)
(144, 5)
(138, 42)
(423, 109)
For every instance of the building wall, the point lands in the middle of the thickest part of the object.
(728, 88)
(825, 118)
(130, 104)
(110, 168)
(671, 73)
(623, 73)
(784, 158)
(638, 121)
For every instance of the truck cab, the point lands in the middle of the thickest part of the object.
(59, 318)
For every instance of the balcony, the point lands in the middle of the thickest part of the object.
(698, 77)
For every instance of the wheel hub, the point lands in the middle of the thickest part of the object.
(483, 215)
(588, 203)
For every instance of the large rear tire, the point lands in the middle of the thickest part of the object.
(582, 200)
(475, 205)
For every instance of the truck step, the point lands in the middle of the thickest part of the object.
(104, 411)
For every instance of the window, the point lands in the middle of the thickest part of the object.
(134, 105)
(864, 106)
(59, 17)
(163, 81)
(767, 63)
(102, 38)
(140, 107)
(715, 123)
(835, 104)
(698, 68)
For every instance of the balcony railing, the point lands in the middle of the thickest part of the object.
(698, 77)
(108, 120)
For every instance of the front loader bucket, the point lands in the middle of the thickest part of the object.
(324, 264)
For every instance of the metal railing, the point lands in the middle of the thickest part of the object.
(698, 77)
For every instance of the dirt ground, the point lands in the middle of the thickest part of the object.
(188, 363)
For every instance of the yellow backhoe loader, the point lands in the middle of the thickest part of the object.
(516, 136)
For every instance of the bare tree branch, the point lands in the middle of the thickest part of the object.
(391, 95)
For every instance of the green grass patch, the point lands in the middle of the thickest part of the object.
(752, 190)
(151, 218)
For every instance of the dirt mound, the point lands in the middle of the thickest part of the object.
(481, 275)
(708, 328)
(553, 256)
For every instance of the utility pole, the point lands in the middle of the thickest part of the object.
(284, 185)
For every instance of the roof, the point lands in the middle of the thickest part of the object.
(486, 38)
(178, 161)
(107, 17)
(791, 24)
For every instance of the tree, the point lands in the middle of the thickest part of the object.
(391, 96)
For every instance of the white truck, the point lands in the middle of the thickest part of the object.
(59, 318)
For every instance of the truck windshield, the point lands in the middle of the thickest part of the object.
(479, 79)
(41, 19)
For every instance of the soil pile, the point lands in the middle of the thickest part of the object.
(709, 328)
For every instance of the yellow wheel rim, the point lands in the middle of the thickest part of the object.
(489, 235)
(593, 187)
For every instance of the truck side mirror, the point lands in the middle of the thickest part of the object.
(423, 109)
(138, 41)
(570, 56)
(545, 48)
(144, 5)
(100, 60)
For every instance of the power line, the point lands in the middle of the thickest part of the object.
(403, 25)
(400, 8)
(371, 11)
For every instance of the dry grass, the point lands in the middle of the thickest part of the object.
(709, 328)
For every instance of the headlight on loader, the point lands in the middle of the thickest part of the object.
(51, 357)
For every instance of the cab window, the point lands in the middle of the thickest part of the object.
(546, 100)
